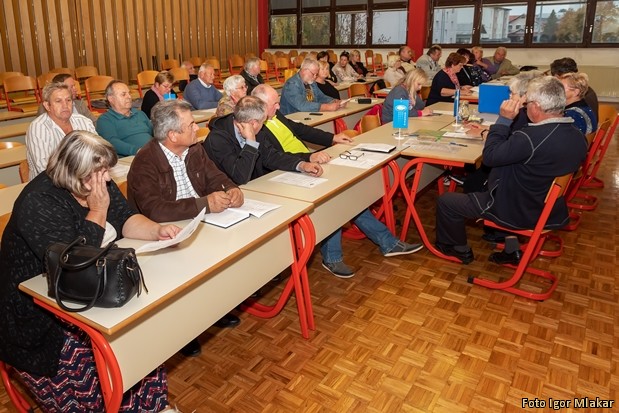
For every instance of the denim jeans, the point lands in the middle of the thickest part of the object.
(376, 231)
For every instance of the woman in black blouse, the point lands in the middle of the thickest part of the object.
(325, 85)
(161, 87)
(74, 196)
(445, 82)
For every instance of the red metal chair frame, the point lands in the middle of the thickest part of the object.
(591, 180)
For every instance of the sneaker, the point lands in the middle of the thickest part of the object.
(403, 248)
(339, 269)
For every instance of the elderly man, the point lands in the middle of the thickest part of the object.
(172, 178)
(79, 106)
(47, 130)
(301, 94)
(524, 164)
(201, 93)
(182, 84)
(406, 59)
(126, 128)
(251, 74)
(500, 65)
(565, 65)
(286, 136)
(429, 61)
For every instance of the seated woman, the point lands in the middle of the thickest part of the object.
(393, 74)
(445, 83)
(234, 89)
(324, 56)
(408, 89)
(471, 74)
(344, 71)
(479, 60)
(73, 197)
(323, 82)
(355, 63)
(161, 87)
(576, 86)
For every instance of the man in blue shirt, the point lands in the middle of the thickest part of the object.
(126, 128)
(201, 93)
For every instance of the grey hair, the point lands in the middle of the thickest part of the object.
(501, 49)
(578, 81)
(205, 66)
(79, 154)
(232, 82)
(548, 92)
(261, 91)
(252, 62)
(250, 108)
(165, 117)
(109, 89)
(51, 88)
(476, 48)
(308, 63)
(519, 83)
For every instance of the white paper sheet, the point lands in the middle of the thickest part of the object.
(256, 208)
(180, 237)
(298, 179)
(365, 160)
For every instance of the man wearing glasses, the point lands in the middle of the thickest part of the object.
(301, 93)
(172, 178)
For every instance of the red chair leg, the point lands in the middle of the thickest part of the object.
(18, 400)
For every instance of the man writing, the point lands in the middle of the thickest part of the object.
(172, 178)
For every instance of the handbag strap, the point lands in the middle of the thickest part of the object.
(89, 305)
(81, 265)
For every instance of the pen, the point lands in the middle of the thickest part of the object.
(224, 188)
(458, 144)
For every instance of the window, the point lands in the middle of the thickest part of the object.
(337, 23)
(527, 23)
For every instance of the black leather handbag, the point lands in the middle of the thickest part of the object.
(102, 277)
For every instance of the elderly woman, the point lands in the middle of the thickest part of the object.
(393, 74)
(576, 86)
(161, 87)
(479, 59)
(323, 82)
(234, 89)
(445, 83)
(324, 56)
(344, 71)
(73, 197)
(408, 89)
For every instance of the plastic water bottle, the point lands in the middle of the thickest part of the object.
(457, 106)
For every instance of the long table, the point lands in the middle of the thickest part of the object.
(193, 285)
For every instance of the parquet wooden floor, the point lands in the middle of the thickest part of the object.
(409, 334)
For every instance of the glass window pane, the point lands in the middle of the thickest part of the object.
(503, 23)
(559, 21)
(606, 23)
(316, 3)
(345, 23)
(315, 27)
(389, 27)
(349, 2)
(452, 25)
(283, 30)
(283, 4)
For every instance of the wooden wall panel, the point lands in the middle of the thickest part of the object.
(38, 35)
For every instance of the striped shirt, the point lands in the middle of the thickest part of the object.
(184, 188)
(44, 135)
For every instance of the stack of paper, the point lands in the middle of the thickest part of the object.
(231, 216)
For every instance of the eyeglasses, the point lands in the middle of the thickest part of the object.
(314, 74)
(166, 85)
(350, 156)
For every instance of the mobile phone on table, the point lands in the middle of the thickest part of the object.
(315, 113)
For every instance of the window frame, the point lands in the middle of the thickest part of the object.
(478, 5)
(369, 7)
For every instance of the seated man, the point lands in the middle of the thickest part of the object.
(524, 163)
(201, 93)
(79, 106)
(406, 59)
(500, 65)
(172, 178)
(47, 131)
(233, 145)
(301, 94)
(429, 61)
(182, 84)
(565, 65)
(251, 74)
(126, 128)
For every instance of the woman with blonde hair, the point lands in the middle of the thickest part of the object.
(576, 86)
(408, 89)
(393, 75)
(322, 81)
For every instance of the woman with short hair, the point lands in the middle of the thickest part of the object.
(445, 83)
(576, 86)
(234, 89)
(162, 86)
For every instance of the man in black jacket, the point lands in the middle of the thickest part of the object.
(251, 74)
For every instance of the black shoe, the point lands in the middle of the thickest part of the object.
(466, 257)
(229, 320)
(505, 258)
(192, 349)
(493, 238)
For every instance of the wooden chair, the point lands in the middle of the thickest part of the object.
(44, 79)
(169, 64)
(333, 57)
(425, 92)
(606, 112)
(536, 236)
(357, 89)
(180, 73)
(24, 171)
(267, 74)
(6, 75)
(369, 58)
(213, 61)
(95, 90)
(378, 65)
(369, 122)
(84, 72)
(145, 80)
(288, 73)
(350, 133)
(21, 94)
(281, 64)
(196, 61)
(235, 64)
(63, 70)
(10, 145)
(202, 133)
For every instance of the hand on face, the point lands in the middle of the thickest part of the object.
(98, 199)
